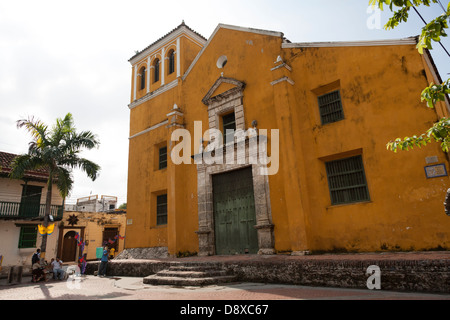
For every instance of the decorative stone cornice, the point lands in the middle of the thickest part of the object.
(239, 86)
(369, 43)
(153, 94)
(156, 126)
(282, 65)
(287, 79)
(175, 118)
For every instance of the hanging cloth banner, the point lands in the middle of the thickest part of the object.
(83, 262)
(80, 243)
(117, 237)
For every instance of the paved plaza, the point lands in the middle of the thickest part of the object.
(129, 288)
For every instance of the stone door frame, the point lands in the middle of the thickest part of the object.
(225, 102)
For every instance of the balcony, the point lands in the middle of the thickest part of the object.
(25, 211)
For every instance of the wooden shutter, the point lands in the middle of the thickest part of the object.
(28, 236)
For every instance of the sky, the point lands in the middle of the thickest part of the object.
(72, 56)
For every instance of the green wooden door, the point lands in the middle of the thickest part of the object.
(31, 201)
(234, 213)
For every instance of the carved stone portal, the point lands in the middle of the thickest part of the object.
(232, 99)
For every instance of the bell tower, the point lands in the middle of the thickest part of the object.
(159, 66)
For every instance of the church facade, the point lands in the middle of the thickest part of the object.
(247, 143)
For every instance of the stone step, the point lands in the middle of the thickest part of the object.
(182, 281)
(192, 274)
(198, 268)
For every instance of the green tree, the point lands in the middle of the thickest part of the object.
(57, 150)
(123, 206)
(431, 32)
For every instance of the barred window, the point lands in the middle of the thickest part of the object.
(347, 181)
(27, 237)
(162, 158)
(161, 210)
(330, 107)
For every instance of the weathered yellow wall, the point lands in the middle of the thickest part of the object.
(250, 57)
(380, 90)
(145, 180)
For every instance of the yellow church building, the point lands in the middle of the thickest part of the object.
(310, 174)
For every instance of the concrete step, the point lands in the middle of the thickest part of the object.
(182, 281)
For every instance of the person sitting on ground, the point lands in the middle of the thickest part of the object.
(58, 272)
(38, 273)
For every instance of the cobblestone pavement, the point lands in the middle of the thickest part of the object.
(119, 288)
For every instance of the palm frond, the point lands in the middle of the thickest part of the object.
(92, 169)
(23, 163)
(36, 128)
(63, 128)
(64, 181)
(84, 139)
(58, 149)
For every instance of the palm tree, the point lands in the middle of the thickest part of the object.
(56, 150)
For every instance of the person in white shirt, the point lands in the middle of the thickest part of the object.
(58, 272)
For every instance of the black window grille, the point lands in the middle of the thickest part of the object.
(330, 107)
(162, 158)
(347, 181)
(161, 210)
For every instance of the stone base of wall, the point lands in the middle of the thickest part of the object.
(143, 253)
(428, 275)
(414, 276)
(129, 268)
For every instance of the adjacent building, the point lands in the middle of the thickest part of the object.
(323, 111)
(92, 203)
(93, 224)
(22, 208)
(83, 232)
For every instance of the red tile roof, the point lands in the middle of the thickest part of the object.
(5, 167)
